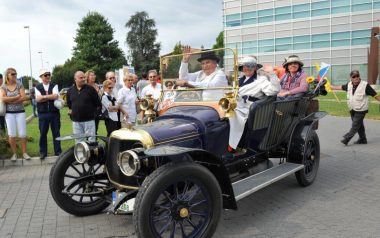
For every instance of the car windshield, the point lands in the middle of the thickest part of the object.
(206, 76)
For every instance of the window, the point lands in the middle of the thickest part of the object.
(249, 21)
(301, 46)
(320, 44)
(246, 15)
(360, 1)
(249, 44)
(301, 7)
(283, 47)
(319, 5)
(361, 33)
(301, 14)
(340, 35)
(232, 23)
(266, 49)
(266, 12)
(343, 9)
(361, 41)
(321, 37)
(362, 7)
(297, 39)
(320, 12)
(285, 40)
(250, 50)
(376, 5)
(282, 10)
(267, 42)
(337, 43)
(340, 3)
(265, 19)
(339, 74)
(233, 17)
(282, 17)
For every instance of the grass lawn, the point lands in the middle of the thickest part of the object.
(66, 129)
(329, 104)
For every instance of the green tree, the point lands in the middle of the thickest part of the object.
(172, 64)
(218, 45)
(63, 75)
(25, 81)
(141, 41)
(95, 47)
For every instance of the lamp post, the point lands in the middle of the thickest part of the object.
(47, 65)
(30, 57)
(42, 62)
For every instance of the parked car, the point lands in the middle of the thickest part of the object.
(174, 168)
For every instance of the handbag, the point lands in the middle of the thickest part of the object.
(103, 115)
(3, 108)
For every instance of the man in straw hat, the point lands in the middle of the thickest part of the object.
(357, 95)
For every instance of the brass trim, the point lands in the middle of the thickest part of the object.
(177, 139)
(134, 134)
(279, 113)
(184, 212)
(120, 185)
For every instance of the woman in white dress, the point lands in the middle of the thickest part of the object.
(127, 100)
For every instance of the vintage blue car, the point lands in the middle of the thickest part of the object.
(174, 168)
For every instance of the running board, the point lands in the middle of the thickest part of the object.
(251, 184)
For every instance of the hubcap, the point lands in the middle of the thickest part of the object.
(184, 212)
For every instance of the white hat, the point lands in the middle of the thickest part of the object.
(43, 71)
(248, 61)
(59, 103)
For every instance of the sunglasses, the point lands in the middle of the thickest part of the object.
(110, 87)
(13, 74)
(46, 75)
(153, 76)
(355, 76)
(111, 77)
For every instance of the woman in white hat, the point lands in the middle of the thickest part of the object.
(293, 83)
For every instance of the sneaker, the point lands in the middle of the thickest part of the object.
(14, 157)
(26, 156)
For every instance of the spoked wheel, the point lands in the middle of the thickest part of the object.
(78, 188)
(311, 156)
(178, 200)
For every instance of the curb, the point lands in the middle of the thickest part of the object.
(32, 161)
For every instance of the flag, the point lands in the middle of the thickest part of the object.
(323, 70)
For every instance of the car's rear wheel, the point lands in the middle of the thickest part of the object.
(64, 172)
(310, 159)
(178, 200)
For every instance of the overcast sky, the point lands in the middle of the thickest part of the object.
(53, 26)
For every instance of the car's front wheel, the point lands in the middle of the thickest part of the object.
(178, 200)
(83, 185)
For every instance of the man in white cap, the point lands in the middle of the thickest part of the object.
(48, 114)
(255, 84)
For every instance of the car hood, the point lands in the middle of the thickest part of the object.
(181, 122)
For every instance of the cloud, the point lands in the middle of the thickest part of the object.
(53, 26)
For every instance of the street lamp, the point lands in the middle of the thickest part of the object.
(30, 57)
(42, 62)
(48, 65)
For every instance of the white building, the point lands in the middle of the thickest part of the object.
(337, 32)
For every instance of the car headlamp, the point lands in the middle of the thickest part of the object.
(82, 152)
(147, 103)
(228, 104)
(129, 162)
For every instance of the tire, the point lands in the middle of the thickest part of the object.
(310, 159)
(62, 173)
(175, 198)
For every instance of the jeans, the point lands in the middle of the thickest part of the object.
(52, 119)
(34, 105)
(357, 126)
(84, 127)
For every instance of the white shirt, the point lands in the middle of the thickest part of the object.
(156, 91)
(105, 104)
(46, 87)
(127, 98)
(116, 89)
(200, 80)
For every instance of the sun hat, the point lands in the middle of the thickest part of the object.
(43, 71)
(292, 59)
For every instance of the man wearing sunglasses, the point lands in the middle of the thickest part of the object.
(357, 95)
(48, 115)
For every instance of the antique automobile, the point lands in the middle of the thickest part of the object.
(174, 168)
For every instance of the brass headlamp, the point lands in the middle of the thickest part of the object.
(228, 104)
(147, 104)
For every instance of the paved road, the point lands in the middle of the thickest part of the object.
(344, 201)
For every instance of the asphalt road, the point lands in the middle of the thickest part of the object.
(344, 201)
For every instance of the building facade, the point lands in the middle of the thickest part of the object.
(337, 32)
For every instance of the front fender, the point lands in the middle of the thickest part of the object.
(205, 158)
